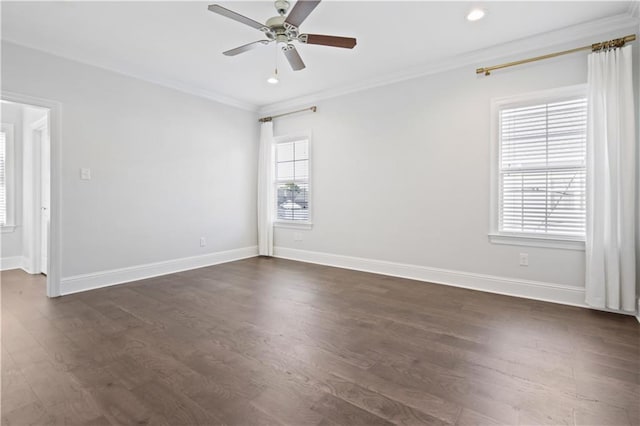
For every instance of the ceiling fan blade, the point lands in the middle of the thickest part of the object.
(216, 8)
(325, 40)
(293, 57)
(249, 46)
(300, 11)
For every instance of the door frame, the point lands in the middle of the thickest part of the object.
(38, 232)
(55, 157)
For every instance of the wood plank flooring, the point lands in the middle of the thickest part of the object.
(271, 341)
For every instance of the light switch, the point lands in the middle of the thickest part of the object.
(85, 174)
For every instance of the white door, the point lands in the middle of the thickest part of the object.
(45, 194)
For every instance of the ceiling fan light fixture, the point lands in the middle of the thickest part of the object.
(476, 14)
(274, 78)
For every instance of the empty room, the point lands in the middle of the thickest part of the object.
(309, 212)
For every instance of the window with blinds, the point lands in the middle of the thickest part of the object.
(292, 181)
(3, 178)
(542, 176)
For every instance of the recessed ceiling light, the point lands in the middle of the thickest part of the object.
(475, 15)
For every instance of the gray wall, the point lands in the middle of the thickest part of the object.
(426, 141)
(167, 167)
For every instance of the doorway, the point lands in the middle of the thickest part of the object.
(35, 231)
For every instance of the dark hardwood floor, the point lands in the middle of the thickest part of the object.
(271, 341)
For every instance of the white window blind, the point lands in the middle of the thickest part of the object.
(3, 179)
(292, 181)
(542, 175)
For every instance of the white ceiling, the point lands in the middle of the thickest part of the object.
(181, 43)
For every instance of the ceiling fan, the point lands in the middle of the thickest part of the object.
(284, 30)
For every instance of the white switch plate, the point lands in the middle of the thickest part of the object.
(297, 236)
(524, 259)
(85, 174)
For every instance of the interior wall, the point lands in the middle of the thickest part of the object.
(167, 168)
(401, 173)
(11, 242)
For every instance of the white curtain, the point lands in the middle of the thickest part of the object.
(611, 175)
(265, 190)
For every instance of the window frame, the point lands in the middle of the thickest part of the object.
(9, 169)
(516, 238)
(293, 224)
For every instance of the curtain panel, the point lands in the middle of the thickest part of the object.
(266, 200)
(611, 179)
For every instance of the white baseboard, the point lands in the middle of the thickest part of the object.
(548, 292)
(95, 280)
(13, 262)
(17, 262)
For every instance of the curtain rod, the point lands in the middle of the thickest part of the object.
(618, 42)
(265, 119)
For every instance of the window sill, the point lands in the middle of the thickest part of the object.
(5, 229)
(531, 241)
(293, 225)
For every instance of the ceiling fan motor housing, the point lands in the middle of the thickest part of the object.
(275, 22)
(280, 31)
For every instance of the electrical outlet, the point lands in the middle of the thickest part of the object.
(297, 236)
(203, 242)
(85, 174)
(524, 259)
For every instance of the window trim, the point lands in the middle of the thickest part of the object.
(294, 224)
(9, 169)
(510, 238)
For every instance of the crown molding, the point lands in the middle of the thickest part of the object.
(592, 29)
(167, 83)
(588, 30)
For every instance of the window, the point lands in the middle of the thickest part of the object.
(292, 180)
(540, 173)
(6, 178)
